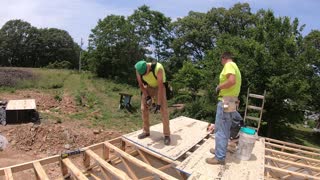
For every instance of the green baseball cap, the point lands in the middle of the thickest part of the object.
(141, 67)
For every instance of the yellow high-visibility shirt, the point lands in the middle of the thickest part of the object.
(230, 68)
(150, 79)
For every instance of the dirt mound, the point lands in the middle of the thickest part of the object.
(53, 139)
(45, 102)
(10, 77)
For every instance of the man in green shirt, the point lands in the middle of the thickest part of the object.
(151, 78)
(228, 91)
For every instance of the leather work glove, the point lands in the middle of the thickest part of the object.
(148, 100)
(157, 109)
(218, 89)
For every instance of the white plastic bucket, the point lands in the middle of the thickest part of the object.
(245, 146)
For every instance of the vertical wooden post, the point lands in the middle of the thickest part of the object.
(64, 169)
(105, 152)
(86, 160)
(8, 174)
(123, 145)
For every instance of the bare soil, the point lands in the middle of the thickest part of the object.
(31, 141)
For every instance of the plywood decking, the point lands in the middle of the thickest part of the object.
(249, 170)
(185, 133)
(23, 104)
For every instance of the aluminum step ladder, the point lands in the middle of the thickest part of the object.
(257, 110)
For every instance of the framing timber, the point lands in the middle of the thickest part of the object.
(287, 160)
(121, 158)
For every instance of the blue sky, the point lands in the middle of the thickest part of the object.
(78, 17)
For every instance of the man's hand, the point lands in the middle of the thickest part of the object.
(218, 89)
(157, 109)
(148, 100)
(210, 128)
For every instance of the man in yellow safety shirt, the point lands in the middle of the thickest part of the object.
(228, 91)
(151, 78)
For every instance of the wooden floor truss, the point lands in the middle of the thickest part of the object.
(112, 153)
(285, 160)
(122, 159)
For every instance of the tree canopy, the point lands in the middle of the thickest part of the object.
(23, 45)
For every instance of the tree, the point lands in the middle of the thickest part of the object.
(189, 77)
(269, 60)
(114, 49)
(18, 37)
(152, 28)
(311, 55)
(57, 46)
(24, 45)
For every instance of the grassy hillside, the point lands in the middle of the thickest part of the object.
(95, 99)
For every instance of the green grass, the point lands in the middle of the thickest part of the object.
(97, 99)
(303, 136)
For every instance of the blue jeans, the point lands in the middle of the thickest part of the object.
(222, 130)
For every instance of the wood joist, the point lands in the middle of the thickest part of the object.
(103, 161)
(112, 153)
(287, 160)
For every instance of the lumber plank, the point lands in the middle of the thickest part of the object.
(130, 171)
(108, 167)
(292, 163)
(165, 167)
(145, 158)
(305, 176)
(75, 171)
(292, 155)
(292, 149)
(8, 174)
(293, 145)
(41, 174)
(29, 165)
(139, 163)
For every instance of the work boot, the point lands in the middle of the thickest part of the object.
(215, 161)
(229, 149)
(212, 150)
(167, 140)
(143, 135)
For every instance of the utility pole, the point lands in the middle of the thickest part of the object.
(81, 43)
